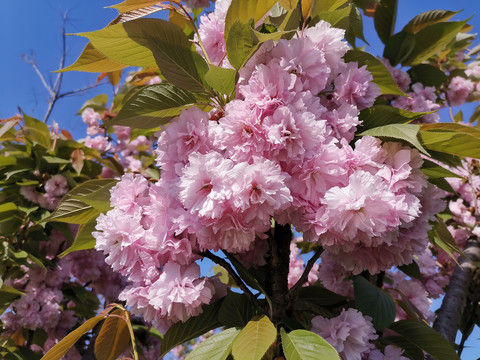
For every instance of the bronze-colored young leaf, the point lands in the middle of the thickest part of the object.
(130, 5)
(61, 348)
(113, 337)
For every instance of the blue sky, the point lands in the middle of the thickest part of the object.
(32, 27)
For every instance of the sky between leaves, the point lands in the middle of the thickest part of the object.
(32, 27)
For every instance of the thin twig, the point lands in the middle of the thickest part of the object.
(79, 91)
(223, 263)
(58, 81)
(32, 63)
(304, 278)
(195, 28)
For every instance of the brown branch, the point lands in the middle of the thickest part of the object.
(223, 263)
(454, 302)
(295, 289)
(278, 268)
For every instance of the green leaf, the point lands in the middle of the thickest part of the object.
(257, 337)
(405, 132)
(174, 56)
(94, 191)
(249, 278)
(8, 295)
(236, 310)
(320, 296)
(97, 103)
(153, 106)
(192, 328)
(380, 115)
(412, 270)
(399, 47)
(84, 239)
(62, 347)
(428, 18)
(452, 139)
(381, 75)
(332, 17)
(37, 131)
(55, 160)
(9, 206)
(409, 350)
(222, 80)
(441, 237)
(425, 338)
(435, 171)
(84, 202)
(7, 160)
(306, 345)
(92, 60)
(243, 11)
(113, 337)
(385, 17)
(72, 211)
(239, 44)
(217, 347)
(432, 39)
(428, 75)
(355, 26)
(326, 5)
(375, 302)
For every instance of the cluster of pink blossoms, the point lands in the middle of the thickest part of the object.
(281, 149)
(126, 149)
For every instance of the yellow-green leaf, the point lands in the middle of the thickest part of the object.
(62, 347)
(217, 347)
(453, 139)
(113, 337)
(92, 60)
(37, 131)
(254, 340)
(306, 345)
(127, 43)
(288, 4)
(245, 10)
